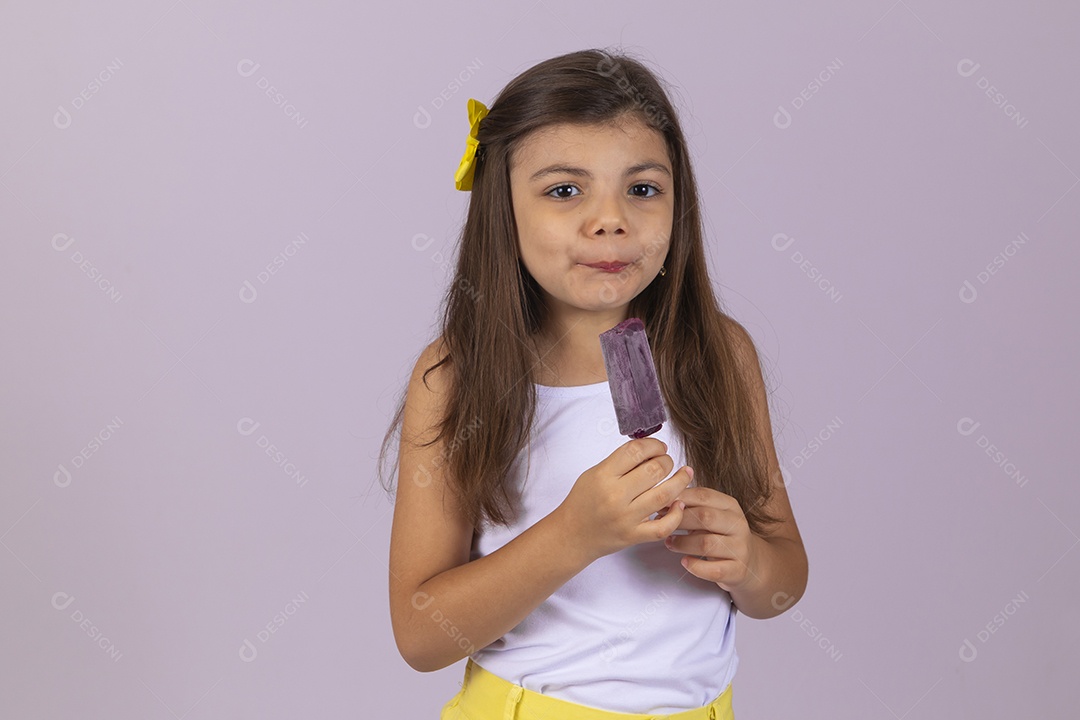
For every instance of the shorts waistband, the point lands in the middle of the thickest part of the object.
(499, 699)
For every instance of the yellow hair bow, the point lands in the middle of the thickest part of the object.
(464, 176)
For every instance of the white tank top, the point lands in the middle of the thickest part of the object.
(633, 632)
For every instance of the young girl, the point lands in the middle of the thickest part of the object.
(579, 575)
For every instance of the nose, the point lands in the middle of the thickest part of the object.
(607, 215)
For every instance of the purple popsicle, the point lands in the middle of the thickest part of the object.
(635, 390)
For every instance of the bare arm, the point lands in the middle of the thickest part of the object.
(470, 606)
(779, 579)
(766, 573)
(444, 606)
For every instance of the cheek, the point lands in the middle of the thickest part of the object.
(541, 239)
(658, 241)
(539, 252)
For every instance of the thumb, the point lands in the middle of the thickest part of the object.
(668, 519)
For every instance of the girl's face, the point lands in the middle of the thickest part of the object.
(586, 194)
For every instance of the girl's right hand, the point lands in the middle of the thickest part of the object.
(608, 507)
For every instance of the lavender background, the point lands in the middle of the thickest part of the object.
(226, 233)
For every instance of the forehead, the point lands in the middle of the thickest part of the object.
(566, 141)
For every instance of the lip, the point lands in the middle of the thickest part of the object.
(609, 266)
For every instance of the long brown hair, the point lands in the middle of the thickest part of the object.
(492, 302)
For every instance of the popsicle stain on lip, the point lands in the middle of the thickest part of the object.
(607, 266)
(635, 389)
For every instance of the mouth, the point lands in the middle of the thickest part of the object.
(607, 266)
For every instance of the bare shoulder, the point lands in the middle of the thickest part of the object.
(438, 378)
(744, 346)
(779, 505)
(429, 390)
(429, 533)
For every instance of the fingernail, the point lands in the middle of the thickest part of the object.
(682, 505)
(690, 472)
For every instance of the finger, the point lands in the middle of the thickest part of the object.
(707, 497)
(649, 474)
(674, 501)
(642, 463)
(699, 544)
(658, 495)
(660, 528)
(633, 453)
(681, 544)
(665, 510)
(716, 571)
(705, 517)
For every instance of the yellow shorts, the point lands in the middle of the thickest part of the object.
(486, 696)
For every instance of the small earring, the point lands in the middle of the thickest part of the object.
(662, 270)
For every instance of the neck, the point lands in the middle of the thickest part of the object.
(569, 347)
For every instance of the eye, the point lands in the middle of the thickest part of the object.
(562, 187)
(648, 185)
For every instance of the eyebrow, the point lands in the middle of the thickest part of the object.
(582, 172)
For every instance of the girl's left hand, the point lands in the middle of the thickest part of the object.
(719, 546)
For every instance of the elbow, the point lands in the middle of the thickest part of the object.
(420, 661)
(416, 651)
(804, 572)
(411, 650)
(421, 642)
(415, 659)
(416, 662)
